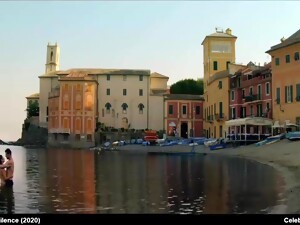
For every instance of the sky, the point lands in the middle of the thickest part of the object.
(162, 36)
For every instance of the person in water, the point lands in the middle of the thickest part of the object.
(9, 165)
(2, 172)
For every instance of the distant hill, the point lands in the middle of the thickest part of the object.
(2, 142)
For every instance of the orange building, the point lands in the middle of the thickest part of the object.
(286, 81)
(72, 111)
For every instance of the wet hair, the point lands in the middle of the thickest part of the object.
(1, 158)
(8, 151)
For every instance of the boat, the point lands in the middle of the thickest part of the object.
(210, 142)
(151, 137)
(293, 136)
(220, 144)
(270, 140)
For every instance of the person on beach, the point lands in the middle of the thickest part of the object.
(9, 165)
(2, 172)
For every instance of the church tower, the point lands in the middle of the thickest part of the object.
(53, 54)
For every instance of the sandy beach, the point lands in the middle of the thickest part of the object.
(284, 156)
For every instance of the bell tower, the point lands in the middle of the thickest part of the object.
(53, 54)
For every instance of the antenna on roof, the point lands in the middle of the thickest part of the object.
(219, 29)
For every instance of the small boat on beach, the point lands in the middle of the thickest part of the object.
(293, 136)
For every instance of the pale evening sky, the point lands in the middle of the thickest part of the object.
(164, 37)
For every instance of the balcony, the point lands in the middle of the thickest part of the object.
(251, 98)
(210, 118)
(219, 117)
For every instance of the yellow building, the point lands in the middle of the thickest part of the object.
(286, 81)
(218, 54)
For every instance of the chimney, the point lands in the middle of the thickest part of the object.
(282, 39)
(228, 31)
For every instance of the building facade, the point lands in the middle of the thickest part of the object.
(183, 115)
(286, 81)
(218, 53)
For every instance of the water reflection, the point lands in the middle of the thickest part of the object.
(75, 181)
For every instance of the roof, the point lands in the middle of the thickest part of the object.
(50, 74)
(35, 95)
(256, 121)
(293, 39)
(218, 75)
(158, 75)
(220, 35)
(183, 97)
(97, 71)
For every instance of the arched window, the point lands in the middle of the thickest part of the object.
(51, 56)
(107, 106)
(78, 101)
(89, 126)
(124, 108)
(66, 101)
(66, 123)
(78, 125)
(141, 108)
(89, 102)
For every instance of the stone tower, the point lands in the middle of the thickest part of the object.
(53, 54)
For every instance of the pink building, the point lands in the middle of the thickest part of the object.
(250, 99)
(183, 115)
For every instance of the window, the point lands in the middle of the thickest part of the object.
(259, 110)
(77, 137)
(141, 108)
(227, 64)
(259, 92)
(278, 95)
(89, 137)
(66, 102)
(221, 108)
(141, 92)
(197, 110)
(232, 95)
(297, 92)
(124, 108)
(107, 91)
(215, 65)
(296, 56)
(215, 110)
(78, 124)
(78, 102)
(251, 110)
(170, 109)
(268, 88)
(288, 94)
(287, 59)
(239, 81)
(268, 107)
(244, 112)
(124, 77)
(78, 87)
(243, 93)
(124, 92)
(107, 106)
(66, 137)
(232, 113)
(220, 84)
(107, 77)
(220, 131)
(250, 90)
(184, 110)
(277, 61)
(141, 77)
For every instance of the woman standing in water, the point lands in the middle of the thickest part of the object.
(2, 172)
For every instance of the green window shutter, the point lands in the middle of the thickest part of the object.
(298, 92)
(291, 89)
(285, 94)
(278, 95)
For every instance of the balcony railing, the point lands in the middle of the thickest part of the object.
(219, 116)
(251, 98)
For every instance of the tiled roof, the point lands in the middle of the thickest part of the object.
(35, 95)
(96, 71)
(158, 75)
(293, 39)
(183, 97)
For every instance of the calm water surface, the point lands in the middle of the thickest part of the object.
(82, 181)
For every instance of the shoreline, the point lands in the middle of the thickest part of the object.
(283, 156)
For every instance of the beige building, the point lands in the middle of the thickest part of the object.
(286, 81)
(218, 54)
(130, 99)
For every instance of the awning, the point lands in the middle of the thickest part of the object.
(256, 121)
(172, 124)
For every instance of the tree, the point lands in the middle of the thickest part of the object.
(33, 109)
(188, 86)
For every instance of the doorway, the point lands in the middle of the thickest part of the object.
(183, 130)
